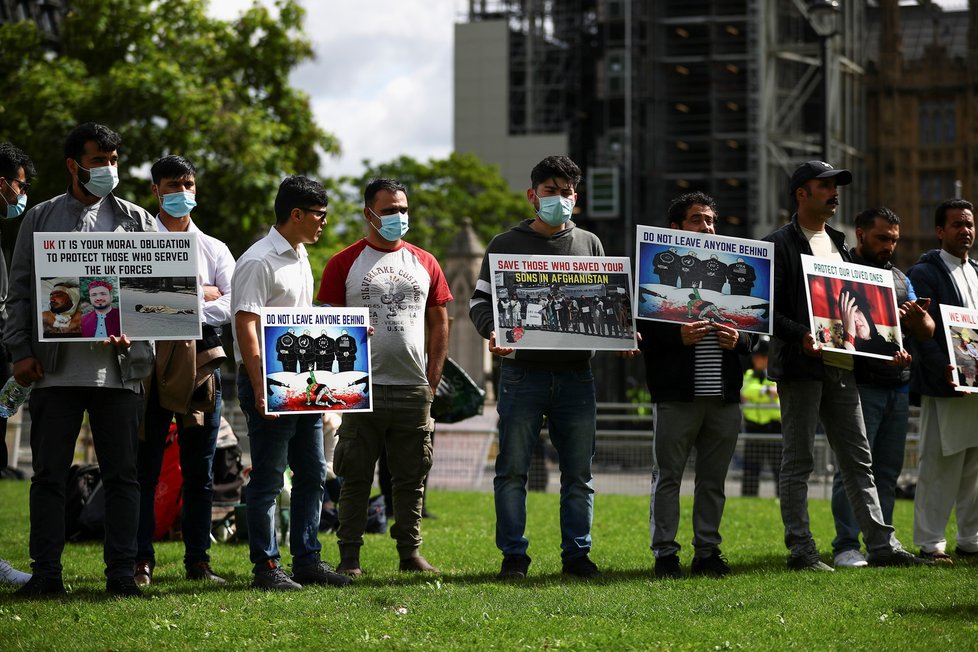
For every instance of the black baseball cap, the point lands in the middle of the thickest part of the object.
(817, 170)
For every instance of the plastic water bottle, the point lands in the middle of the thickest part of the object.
(12, 396)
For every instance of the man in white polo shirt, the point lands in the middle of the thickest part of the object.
(275, 272)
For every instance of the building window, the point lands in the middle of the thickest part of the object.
(935, 187)
(937, 123)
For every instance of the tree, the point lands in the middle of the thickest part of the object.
(441, 193)
(171, 80)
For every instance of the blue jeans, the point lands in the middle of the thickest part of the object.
(885, 412)
(289, 441)
(197, 445)
(567, 400)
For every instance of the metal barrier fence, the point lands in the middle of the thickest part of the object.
(464, 454)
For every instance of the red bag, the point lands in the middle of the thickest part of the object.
(169, 488)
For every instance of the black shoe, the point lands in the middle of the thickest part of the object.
(270, 577)
(123, 587)
(667, 568)
(966, 554)
(319, 573)
(515, 567)
(42, 587)
(713, 566)
(896, 557)
(201, 570)
(809, 561)
(581, 567)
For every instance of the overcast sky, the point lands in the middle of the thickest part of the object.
(382, 78)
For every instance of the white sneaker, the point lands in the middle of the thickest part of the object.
(10, 575)
(850, 559)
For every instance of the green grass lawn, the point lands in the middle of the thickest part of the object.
(761, 606)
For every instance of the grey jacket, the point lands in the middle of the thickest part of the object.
(20, 331)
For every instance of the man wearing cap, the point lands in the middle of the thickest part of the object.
(103, 320)
(814, 385)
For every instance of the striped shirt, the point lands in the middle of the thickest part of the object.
(707, 373)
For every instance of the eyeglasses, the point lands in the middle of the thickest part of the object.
(23, 185)
(320, 215)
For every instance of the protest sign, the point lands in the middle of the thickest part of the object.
(852, 307)
(562, 302)
(316, 360)
(961, 335)
(92, 285)
(683, 277)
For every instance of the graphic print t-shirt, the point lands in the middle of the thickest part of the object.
(397, 287)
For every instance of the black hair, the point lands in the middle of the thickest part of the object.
(681, 204)
(866, 219)
(172, 167)
(940, 215)
(106, 139)
(298, 192)
(376, 185)
(555, 167)
(12, 159)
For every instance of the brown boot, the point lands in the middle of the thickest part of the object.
(350, 566)
(417, 564)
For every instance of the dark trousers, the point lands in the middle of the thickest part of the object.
(197, 445)
(56, 417)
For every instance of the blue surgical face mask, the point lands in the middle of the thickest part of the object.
(555, 210)
(15, 210)
(102, 180)
(178, 204)
(392, 227)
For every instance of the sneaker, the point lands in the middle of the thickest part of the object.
(42, 587)
(201, 570)
(10, 575)
(850, 559)
(713, 566)
(270, 577)
(122, 587)
(319, 573)
(667, 568)
(515, 567)
(581, 567)
(937, 556)
(142, 572)
(350, 567)
(896, 557)
(417, 564)
(808, 561)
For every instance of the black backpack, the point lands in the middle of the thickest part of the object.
(84, 503)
